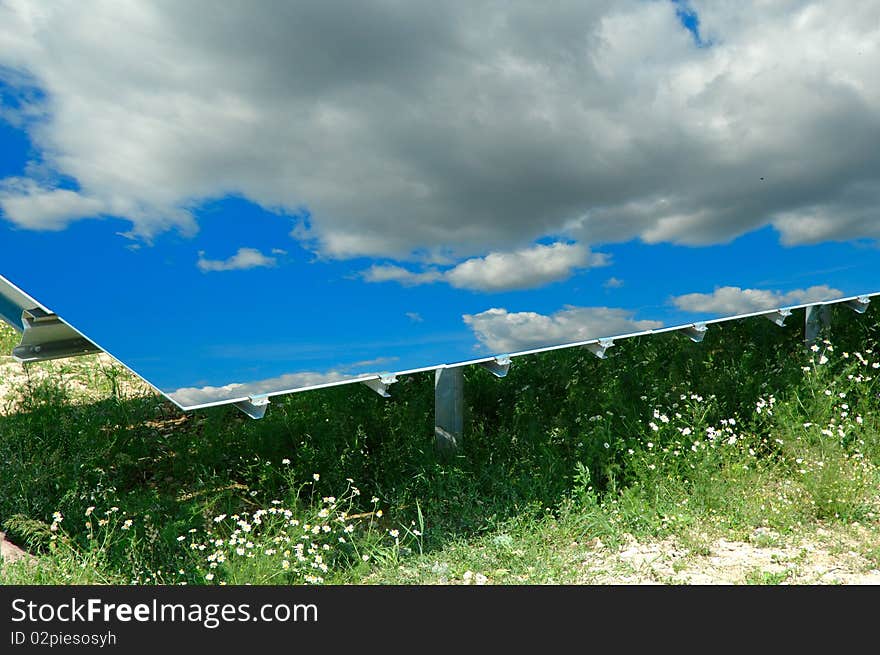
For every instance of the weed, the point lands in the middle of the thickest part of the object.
(760, 577)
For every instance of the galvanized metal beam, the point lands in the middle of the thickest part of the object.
(448, 408)
(12, 303)
(817, 318)
(45, 336)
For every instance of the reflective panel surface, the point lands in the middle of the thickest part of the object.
(235, 203)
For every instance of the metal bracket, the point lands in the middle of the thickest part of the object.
(380, 384)
(859, 305)
(254, 406)
(45, 336)
(778, 316)
(599, 348)
(696, 332)
(498, 366)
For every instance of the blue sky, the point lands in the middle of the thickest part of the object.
(208, 227)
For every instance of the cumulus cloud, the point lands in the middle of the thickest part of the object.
(29, 205)
(526, 268)
(393, 273)
(245, 258)
(406, 130)
(500, 331)
(730, 301)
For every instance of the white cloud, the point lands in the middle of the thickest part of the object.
(28, 205)
(393, 273)
(613, 283)
(410, 130)
(500, 331)
(526, 268)
(376, 363)
(730, 301)
(245, 258)
(193, 396)
(415, 317)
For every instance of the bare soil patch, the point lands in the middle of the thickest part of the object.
(840, 555)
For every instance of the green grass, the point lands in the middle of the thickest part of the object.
(758, 577)
(8, 339)
(666, 437)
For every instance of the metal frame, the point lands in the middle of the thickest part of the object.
(44, 335)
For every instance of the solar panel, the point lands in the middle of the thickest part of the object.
(300, 205)
(47, 336)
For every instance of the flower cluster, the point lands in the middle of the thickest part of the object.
(822, 430)
(284, 544)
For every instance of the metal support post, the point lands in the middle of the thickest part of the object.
(817, 319)
(448, 407)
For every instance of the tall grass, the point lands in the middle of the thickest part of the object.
(748, 429)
